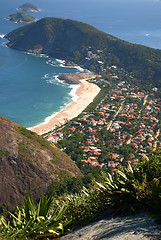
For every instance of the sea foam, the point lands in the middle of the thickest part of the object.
(2, 35)
(52, 78)
(73, 91)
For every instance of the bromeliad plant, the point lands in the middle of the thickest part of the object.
(133, 187)
(118, 190)
(35, 221)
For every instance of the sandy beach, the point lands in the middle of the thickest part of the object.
(86, 93)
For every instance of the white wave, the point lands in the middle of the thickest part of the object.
(52, 63)
(2, 35)
(43, 55)
(45, 76)
(60, 61)
(56, 63)
(52, 79)
(30, 53)
(4, 44)
(73, 91)
(61, 65)
(80, 69)
(60, 81)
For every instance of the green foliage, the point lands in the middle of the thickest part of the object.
(22, 147)
(69, 185)
(33, 136)
(42, 220)
(134, 187)
(83, 207)
(97, 99)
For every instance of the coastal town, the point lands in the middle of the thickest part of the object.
(120, 126)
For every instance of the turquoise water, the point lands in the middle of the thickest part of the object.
(29, 88)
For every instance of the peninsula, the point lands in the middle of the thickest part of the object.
(87, 46)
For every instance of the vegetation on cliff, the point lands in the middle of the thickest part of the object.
(21, 17)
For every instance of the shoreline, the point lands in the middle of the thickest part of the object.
(85, 93)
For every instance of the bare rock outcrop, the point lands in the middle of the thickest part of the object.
(28, 163)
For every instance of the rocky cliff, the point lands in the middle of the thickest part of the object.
(28, 163)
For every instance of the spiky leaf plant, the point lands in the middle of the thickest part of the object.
(134, 187)
(35, 221)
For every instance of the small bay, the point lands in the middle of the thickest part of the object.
(30, 90)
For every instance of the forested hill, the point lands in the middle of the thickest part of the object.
(58, 37)
(69, 39)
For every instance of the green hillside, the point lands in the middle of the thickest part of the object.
(21, 18)
(68, 39)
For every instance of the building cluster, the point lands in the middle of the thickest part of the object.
(122, 127)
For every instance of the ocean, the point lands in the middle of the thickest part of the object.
(29, 88)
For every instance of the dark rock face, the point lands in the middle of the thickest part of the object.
(27, 165)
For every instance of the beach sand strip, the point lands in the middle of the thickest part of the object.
(86, 93)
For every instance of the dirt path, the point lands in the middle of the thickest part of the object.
(155, 143)
(145, 101)
(118, 111)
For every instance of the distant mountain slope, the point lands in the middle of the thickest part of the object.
(28, 163)
(28, 7)
(21, 17)
(69, 39)
(57, 37)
